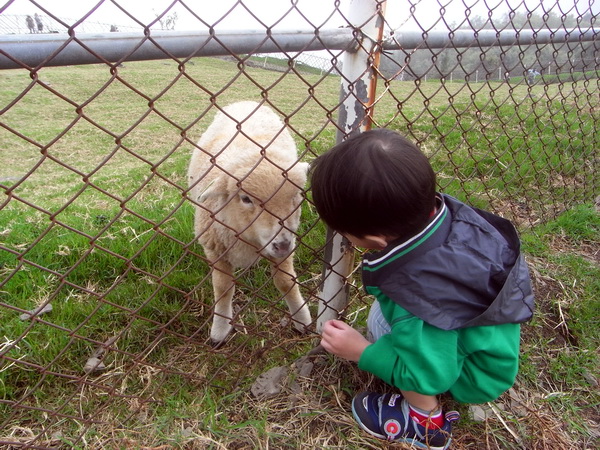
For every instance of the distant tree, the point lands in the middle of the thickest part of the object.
(498, 62)
(167, 22)
(516, 60)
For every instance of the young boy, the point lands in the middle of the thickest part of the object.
(450, 284)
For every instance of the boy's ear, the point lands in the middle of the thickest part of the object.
(377, 241)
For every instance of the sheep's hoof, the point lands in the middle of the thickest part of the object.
(219, 334)
(303, 329)
(216, 344)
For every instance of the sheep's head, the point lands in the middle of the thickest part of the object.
(262, 207)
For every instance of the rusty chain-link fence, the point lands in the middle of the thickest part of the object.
(106, 301)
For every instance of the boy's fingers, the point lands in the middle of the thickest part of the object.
(337, 324)
(328, 326)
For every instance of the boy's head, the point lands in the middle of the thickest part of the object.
(374, 183)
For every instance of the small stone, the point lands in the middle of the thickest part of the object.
(304, 366)
(36, 312)
(94, 365)
(56, 437)
(480, 413)
(517, 403)
(590, 378)
(270, 383)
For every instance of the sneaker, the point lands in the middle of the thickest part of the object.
(386, 417)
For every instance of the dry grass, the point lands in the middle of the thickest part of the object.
(314, 411)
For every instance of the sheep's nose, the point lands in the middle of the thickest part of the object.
(282, 246)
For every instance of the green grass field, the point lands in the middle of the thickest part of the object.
(94, 220)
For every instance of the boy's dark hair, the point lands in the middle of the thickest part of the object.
(375, 183)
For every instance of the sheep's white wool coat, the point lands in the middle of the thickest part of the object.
(247, 183)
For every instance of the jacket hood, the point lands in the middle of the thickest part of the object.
(464, 269)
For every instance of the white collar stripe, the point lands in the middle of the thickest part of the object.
(404, 244)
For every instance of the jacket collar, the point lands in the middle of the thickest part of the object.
(432, 235)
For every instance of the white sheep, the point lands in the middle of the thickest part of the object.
(246, 183)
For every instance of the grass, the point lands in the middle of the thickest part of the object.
(95, 222)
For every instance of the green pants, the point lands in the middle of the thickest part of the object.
(475, 365)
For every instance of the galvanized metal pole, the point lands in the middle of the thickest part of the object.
(356, 96)
(31, 51)
(487, 38)
(26, 50)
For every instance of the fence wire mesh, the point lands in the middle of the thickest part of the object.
(106, 301)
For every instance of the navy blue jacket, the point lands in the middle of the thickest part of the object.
(463, 270)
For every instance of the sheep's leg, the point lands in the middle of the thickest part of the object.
(284, 277)
(223, 287)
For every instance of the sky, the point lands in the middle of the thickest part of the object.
(281, 15)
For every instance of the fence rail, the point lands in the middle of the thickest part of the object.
(20, 51)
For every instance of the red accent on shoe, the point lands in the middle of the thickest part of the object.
(431, 422)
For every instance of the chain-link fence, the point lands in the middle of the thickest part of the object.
(106, 300)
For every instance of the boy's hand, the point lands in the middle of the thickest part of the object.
(342, 340)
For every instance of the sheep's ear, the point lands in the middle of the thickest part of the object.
(215, 188)
(304, 166)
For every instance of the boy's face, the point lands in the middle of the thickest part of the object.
(371, 242)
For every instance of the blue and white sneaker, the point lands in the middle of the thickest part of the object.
(386, 416)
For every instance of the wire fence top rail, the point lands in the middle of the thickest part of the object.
(58, 50)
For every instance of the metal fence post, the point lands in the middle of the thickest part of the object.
(357, 93)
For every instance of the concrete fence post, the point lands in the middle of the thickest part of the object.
(357, 93)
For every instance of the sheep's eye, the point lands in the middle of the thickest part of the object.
(245, 199)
